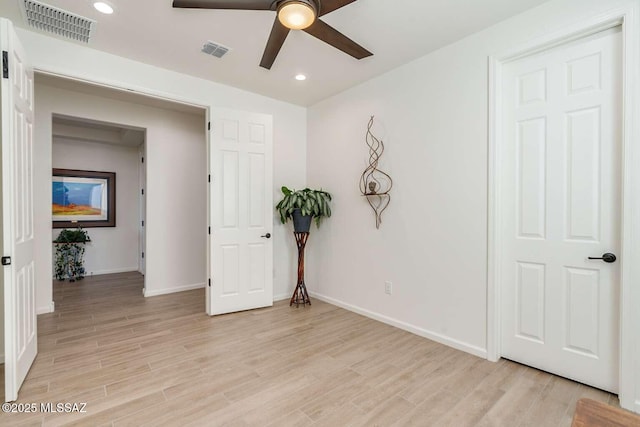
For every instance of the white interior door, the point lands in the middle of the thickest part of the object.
(561, 205)
(17, 212)
(241, 211)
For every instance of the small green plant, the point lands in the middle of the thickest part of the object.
(310, 202)
(70, 253)
(73, 236)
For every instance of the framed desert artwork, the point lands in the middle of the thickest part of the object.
(83, 198)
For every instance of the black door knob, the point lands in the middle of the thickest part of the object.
(267, 236)
(608, 257)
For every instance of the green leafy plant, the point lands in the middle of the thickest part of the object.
(70, 253)
(73, 236)
(310, 202)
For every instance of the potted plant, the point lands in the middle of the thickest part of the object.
(302, 206)
(69, 254)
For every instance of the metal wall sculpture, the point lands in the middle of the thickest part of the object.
(375, 185)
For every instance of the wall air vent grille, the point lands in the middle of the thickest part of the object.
(57, 21)
(215, 49)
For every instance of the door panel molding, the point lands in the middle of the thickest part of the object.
(17, 231)
(240, 211)
(628, 18)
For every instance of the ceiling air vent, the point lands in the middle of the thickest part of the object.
(215, 49)
(57, 21)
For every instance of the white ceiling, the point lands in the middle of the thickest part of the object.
(84, 130)
(396, 31)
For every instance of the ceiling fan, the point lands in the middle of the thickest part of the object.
(292, 15)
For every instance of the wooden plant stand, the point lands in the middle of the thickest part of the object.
(300, 294)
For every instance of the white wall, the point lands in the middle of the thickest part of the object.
(176, 171)
(432, 115)
(69, 59)
(112, 249)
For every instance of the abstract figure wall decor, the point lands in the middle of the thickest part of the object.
(375, 185)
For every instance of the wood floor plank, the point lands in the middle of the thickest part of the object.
(551, 406)
(162, 361)
(393, 409)
(294, 419)
(281, 389)
(345, 415)
(332, 399)
(106, 416)
(174, 413)
(315, 390)
(513, 405)
(470, 410)
(430, 410)
(211, 382)
(158, 380)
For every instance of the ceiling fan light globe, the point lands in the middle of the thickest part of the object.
(297, 15)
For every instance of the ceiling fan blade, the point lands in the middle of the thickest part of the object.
(277, 37)
(335, 38)
(327, 6)
(226, 4)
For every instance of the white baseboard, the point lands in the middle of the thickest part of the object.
(112, 271)
(281, 297)
(46, 309)
(442, 339)
(155, 292)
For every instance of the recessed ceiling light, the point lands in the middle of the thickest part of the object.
(103, 7)
(301, 77)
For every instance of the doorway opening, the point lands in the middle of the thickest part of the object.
(88, 147)
(146, 142)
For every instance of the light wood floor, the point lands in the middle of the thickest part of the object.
(163, 361)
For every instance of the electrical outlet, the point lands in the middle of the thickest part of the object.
(388, 288)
